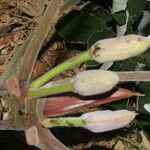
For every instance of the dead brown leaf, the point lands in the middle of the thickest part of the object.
(32, 7)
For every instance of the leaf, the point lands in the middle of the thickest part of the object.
(58, 106)
(131, 64)
(142, 121)
(135, 7)
(6, 39)
(104, 14)
(91, 63)
(120, 17)
(144, 87)
(77, 27)
(118, 104)
(130, 25)
(34, 8)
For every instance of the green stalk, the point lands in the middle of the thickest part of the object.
(55, 89)
(70, 121)
(60, 68)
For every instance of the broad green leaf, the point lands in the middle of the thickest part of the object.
(104, 14)
(135, 7)
(141, 122)
(118, 105)
(145, 88)
(120, 17)
(130, 64)
(91, 63)
(130, 25)
(77, 27)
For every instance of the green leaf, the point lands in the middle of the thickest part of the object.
(118, 105)
(120, 17)
(77, 27)
(130, 25)
(141, 122)
(135, 7)
(104, 14)
(145, 88)
(131, 64)
(91, 63)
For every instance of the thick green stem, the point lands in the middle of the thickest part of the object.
(55, 89)
(60, 68)
(70, 121)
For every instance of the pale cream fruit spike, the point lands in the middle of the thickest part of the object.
(119, 48)
(93, 82)
(101, 121)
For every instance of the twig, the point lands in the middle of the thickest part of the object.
(134, 76)
(47, 23)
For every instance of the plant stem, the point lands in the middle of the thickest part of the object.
(60, 68)
(55, 89)
(134, 76)
(70, 121)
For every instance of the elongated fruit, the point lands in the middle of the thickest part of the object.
(94, 82)
(119, 48)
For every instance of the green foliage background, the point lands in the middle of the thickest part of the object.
(88, 26)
